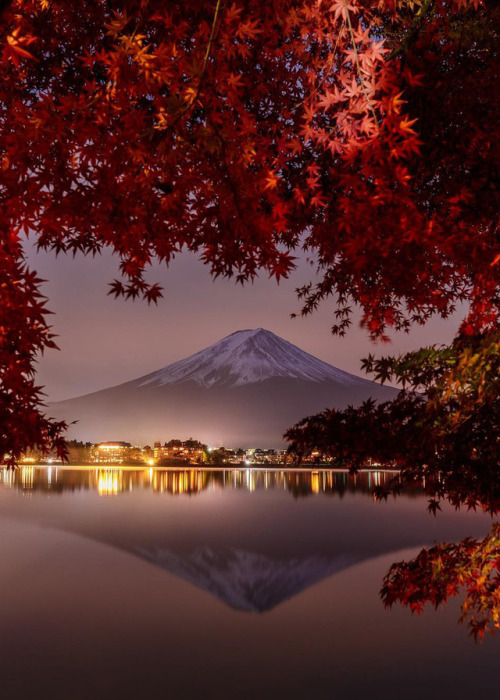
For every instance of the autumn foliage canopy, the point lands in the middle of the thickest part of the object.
(362, 131)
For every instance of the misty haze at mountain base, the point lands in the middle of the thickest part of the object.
(247, 389)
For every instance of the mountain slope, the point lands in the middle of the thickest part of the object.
(246, 357)
(247, 580)
(245, 390)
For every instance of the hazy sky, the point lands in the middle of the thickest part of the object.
(104, 341)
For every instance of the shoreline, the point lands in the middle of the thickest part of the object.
(208, 468)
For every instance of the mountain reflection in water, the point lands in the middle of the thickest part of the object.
(234, 558)
(244, 572)
(124, 583)
(113, 480)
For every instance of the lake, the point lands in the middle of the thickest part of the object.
(196, 584)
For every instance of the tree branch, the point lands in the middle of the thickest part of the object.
(358, 67)
(191, 102)
(414, 29)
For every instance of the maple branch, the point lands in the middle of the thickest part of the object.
(322, 81)
(413, 30)
(227, 172)
(211, 40)
(358, 67)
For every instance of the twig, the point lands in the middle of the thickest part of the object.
(413, 30)
(358, 66)
(205, 63)
(321, 82)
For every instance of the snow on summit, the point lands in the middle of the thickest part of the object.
(247, 357)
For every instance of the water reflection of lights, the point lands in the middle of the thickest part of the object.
(27, 477)
(250, 480)
(315, 482)
(192, 481)
(109, 482)
(373, 479)
(8, 477)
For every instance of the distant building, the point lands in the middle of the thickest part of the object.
(176, 450)
(259, 456)
(107, 452)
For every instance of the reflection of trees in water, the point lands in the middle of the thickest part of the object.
(192, 481)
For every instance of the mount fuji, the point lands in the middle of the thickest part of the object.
(245, 390)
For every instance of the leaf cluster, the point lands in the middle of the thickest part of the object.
(362, 131)
(445, 570)
(443, 428)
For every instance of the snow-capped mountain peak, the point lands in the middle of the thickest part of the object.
(247, 357)
(247, 389)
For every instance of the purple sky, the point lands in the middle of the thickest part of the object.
(104, 342)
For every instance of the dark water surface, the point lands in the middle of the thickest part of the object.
(222, 584)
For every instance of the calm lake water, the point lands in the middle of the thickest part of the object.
(222, 584)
